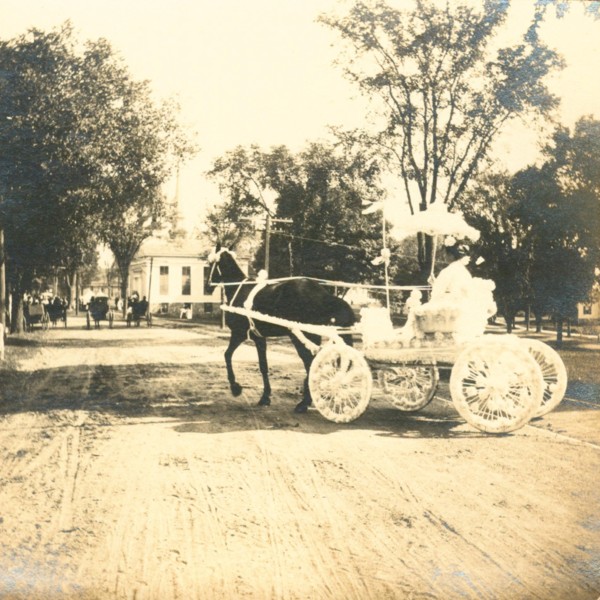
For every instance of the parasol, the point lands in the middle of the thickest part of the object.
(436, 220)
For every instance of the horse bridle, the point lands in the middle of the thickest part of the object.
(213, 258)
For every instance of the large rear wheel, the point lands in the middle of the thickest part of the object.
(496, 387)
(554, 375)
(340, 382)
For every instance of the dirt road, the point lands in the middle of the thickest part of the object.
(128, 471)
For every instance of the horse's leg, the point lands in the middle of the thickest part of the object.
(237, 337)
(261, 349)
(307, 357)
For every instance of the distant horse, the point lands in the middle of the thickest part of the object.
(299, 300)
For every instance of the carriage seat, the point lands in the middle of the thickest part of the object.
(457, 319)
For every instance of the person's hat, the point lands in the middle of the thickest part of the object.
(456, 248)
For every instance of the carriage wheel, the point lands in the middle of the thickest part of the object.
(149, 320)
(111, 318)
(65, 319)
(554, 374)
(496, 387)
(340, 383)
(408, 388)
(88, 321)
(45, 321)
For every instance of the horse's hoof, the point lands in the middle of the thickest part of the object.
(264, 402)
(301, 408)
(236, 389)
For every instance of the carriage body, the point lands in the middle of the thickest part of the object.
(35, 314)
(56, 312)
(498, 383)
(98, 310)
(137, 311)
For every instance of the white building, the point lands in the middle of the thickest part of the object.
(174, 273)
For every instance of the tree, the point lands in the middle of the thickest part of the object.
(322, 191)
(444, 89)
(561, 203)
(84, 153)
(492, 207)
(318, 193)
(132, 154)
(42, 174)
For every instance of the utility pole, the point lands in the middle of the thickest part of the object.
(267, 241)
(269, 220)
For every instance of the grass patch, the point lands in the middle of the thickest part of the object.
(582, 365)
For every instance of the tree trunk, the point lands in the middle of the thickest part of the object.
(509, 317)
(425, 256)
(124, 271)
(17, 315)
(559, 332)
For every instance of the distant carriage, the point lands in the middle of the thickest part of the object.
(99, 310)
(57, 312)
(35, 314)
(138, 310)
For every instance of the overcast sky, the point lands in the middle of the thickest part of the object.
(260, 71)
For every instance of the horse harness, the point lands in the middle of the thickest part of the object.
(252, 329)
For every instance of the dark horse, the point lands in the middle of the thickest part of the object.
(298, 300)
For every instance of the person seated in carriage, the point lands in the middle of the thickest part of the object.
(457, 311)
(460, 304)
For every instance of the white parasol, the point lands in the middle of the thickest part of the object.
(436, 220)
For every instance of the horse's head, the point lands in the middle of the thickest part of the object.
(223, 267)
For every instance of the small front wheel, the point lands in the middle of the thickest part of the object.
(340, 383)
(496, 387)
(88, 321)
(409, 388)
(111, 319)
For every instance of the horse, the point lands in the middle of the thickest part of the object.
(299, 300)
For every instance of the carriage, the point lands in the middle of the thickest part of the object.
(98, 309)
(138, 310)
(498, 383)
(35, 314)
(57, 312)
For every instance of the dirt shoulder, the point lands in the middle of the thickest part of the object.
(129, 471)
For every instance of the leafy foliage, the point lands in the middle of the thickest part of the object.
(317, 195)
(443, 88)
(84, 151)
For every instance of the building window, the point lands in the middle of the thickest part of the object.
(207, 290)
(587, 309)
(164, 281)
(186, 281)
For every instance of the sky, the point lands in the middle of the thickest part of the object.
(262, 71)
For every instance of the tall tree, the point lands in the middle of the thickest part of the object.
(42, 173)
(318, 195)
(561, 202)
(444, 87)
(492, 207)
(84, 151)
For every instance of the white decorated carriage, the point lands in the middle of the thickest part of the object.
(498, 383)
